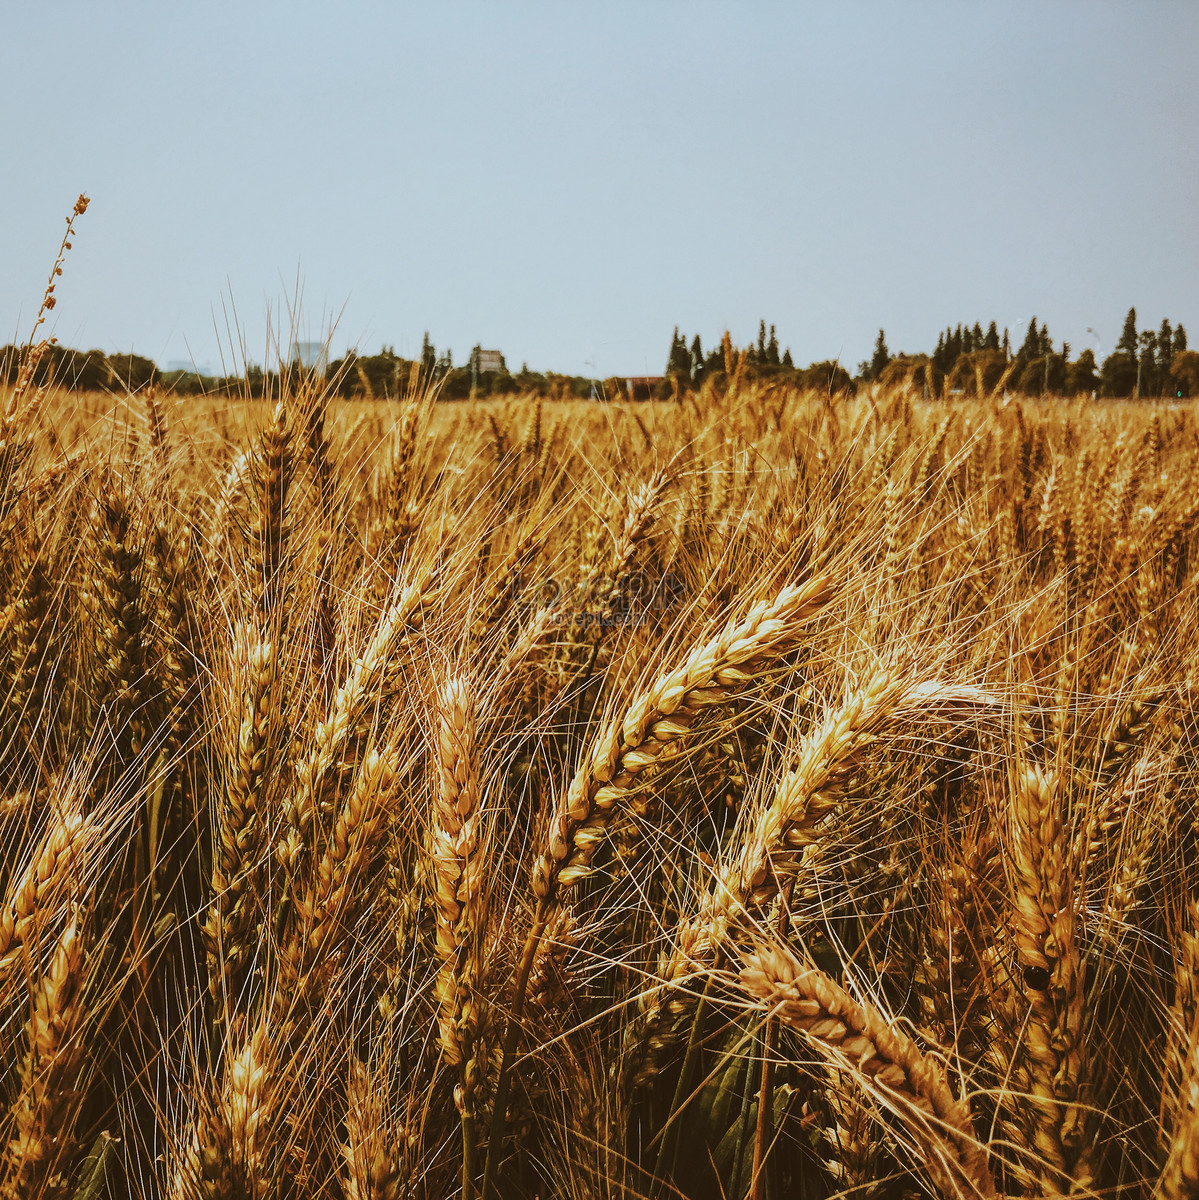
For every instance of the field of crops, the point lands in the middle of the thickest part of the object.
(752, 796)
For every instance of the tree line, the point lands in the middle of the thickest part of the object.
(82, 370)
(690, 366)
(967, 360)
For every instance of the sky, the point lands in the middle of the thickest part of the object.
(567, 182)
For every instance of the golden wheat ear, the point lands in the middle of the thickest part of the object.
(857, 1039)
(1052, 1064)
(371, 1170)
(41, 1155)
(459, 855)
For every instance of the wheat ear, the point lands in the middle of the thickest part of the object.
(40, 884)
(1054, 1067)
(458, 863)
(1180, 1179)
(316, 770)
(227, 924)
(856, 1038)
(325, 906)
(371, 1172)
(226, 1154)
(36, 1161)
(275, 464)
(658, 717)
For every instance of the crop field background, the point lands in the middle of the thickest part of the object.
(757, 795)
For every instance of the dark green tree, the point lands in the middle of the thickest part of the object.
(881, 356)
(1118, 375)
(827, 377)
(132, 371)
(1031, 347)
(941, 354)
(88, 372)
(991, 340)
(1128, 338)
(1081, 376)
(1184, 373)
(678, 363)
(428, 356)
(1180, 340)
(772, 349)
(1147, 382)
(1165, 349)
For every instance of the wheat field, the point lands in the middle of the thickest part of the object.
(759, 795)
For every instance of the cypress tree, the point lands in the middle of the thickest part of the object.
(679, 361)
(772, 349)
(1180, 340)
(1165, 347)
(881, 357)
(1146, 364)
(761, 342)
(1128, 338)
(976, 337)
(991, 341)
(1032, 343)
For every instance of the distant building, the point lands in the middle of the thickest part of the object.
(311, 356)
(491, 360)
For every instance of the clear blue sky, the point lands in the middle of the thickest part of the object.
(567, 182)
